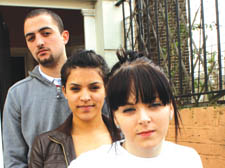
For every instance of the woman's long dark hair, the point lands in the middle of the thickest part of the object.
(136, 74)
(89, 59)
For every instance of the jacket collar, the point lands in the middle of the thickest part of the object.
(63, 132)
(66, 127)
(35, 73)
(62, 135)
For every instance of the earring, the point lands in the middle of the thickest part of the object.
(171, 116)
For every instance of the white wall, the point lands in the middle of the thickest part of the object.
(68, 4)
(109, 31)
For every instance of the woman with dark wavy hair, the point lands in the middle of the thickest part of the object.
(84, 76)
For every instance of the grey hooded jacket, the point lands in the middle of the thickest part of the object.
(33, 106)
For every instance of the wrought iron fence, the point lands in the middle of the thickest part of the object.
(183, 38)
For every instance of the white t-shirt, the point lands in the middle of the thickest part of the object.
(56, 81)
(107, 156)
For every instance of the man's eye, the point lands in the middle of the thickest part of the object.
(31, 38)
(127, 110)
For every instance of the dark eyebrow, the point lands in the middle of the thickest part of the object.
(77, 85)
(28, 34)
(44, 28)
(41, 29)
(74, 84)
(94, 83)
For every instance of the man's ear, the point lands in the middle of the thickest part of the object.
(65, 35)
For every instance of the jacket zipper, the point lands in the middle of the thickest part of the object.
(64, 152)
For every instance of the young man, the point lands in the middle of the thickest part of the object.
(36, 104)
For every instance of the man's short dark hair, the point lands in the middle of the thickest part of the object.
(54, 16)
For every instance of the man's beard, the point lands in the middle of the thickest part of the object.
(47, 62)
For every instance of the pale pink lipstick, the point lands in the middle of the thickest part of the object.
(146, 133)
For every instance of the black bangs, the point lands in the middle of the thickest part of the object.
(144, 82)
(137, 79)
(118, 90)
(150, 83)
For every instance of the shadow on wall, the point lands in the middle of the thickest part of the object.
(204, 130)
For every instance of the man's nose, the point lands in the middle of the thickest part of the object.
(39, 41)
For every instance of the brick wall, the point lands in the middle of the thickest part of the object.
(203, 129)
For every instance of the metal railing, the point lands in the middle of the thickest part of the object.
(176, 36)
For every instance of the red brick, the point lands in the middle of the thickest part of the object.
(205, 116)
(221, 114)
